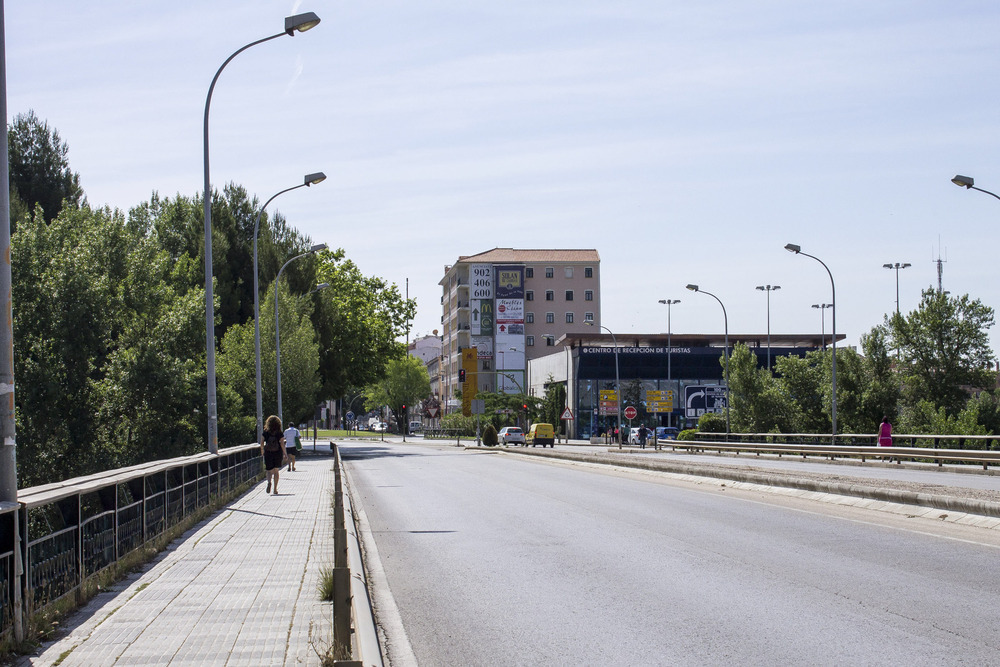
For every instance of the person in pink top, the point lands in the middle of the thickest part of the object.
(885, 433)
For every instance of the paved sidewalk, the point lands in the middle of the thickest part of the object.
(237, 589)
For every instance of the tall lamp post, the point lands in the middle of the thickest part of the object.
(791, 247)
(897, 266)
(668, 303)
(8, 444)
(725, 319)
(618, 382)
(822, 321)
(277, 328)
(768, 289)
(310, 179)
(969, 183)
(293, 24)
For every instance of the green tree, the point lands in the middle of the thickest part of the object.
(944, 348)
(405, 383)
(236, 367)
(359, 321)
(803, 380)
(881, 389)
(757, 403)
(553, 403)
(39, 168)
(107, 369)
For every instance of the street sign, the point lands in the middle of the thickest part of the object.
(567, 415)
(608, 402)
(630, 412)
(431, 412)
(662, 403)
(350, 416)
(478, 406)
(702, 398)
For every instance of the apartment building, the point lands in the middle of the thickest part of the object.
(505, 306)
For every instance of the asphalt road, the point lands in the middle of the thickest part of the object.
(494, 559)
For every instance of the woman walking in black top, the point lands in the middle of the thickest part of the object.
(272, 448)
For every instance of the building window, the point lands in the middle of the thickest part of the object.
(530, 341)
(529, 295)
(569, 318)
(550, 295)
(569, 271)
(549, 272)
(486, 365)
(529, 318)
(588, 272)
(589, 317)
(550, 340)
(550, 318)
(588, 295)
(529, 272)
(569, 295)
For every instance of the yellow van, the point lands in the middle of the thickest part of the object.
(541, 434)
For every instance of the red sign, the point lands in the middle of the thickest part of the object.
(630, 412)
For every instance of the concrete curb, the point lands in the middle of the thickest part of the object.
(902, 497)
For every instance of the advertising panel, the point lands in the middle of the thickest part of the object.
(484, 345)
(482, 317)
(510, 311)
(481, 281)
(509, 282)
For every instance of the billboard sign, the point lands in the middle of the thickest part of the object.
(481, 281)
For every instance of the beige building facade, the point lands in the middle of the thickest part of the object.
(505, 306)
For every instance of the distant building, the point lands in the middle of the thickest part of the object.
(505, 306)
(592, 364)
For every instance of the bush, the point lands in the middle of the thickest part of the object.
(457, 422)
(490, 436)
(687, 434)
(712, 422)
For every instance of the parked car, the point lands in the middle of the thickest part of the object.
(416, 426)
(667, 432)
(541, 434)
(380, 426)
(511, 434)
(633, 436)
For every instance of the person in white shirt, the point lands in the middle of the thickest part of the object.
(291, 438)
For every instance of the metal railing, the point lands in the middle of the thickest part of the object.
(72, 530)
(983, 457)
(353, 619)
(979, 442)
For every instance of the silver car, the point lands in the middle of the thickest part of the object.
(509, 434)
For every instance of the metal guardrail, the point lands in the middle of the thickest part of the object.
(72, 530)
(352, 606)
(978, 442)
(982, 457)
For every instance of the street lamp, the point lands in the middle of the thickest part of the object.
(277, 329)
(768, 289)
(310, 179)
(618, 383)
(823, 307)
(897, 266)
(969, 183)
(293, 24)
(668, 303)
(791, 247)
(725, 319)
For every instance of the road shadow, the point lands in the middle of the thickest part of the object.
(360, 452)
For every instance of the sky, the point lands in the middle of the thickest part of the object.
(686, 142)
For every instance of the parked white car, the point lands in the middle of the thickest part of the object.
(509, 434)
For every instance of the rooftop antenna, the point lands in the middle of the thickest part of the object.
(940, 262)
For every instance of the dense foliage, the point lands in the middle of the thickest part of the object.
(109, 319)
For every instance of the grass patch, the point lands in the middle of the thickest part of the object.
(325, 585)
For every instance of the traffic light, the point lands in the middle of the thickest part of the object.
(404, 409)
(524, 406)
(461, 375)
